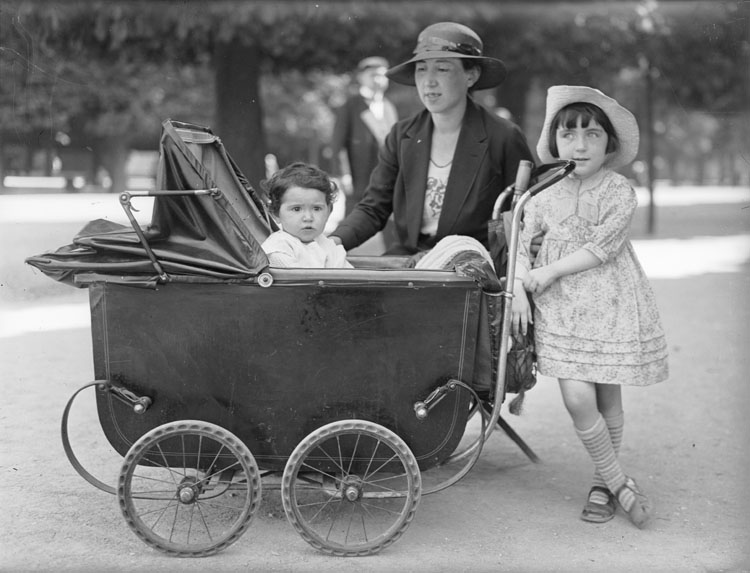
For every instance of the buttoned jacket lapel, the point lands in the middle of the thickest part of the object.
(470, 149)
(414, 161)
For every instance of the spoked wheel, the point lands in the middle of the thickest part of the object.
(189, 488)
(351, 488)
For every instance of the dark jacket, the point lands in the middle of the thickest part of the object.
(487, 154)
(352, 135)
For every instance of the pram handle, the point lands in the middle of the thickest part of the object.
(523, 177)
(522, 180)
(563, 169)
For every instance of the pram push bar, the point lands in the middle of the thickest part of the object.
(561, 170)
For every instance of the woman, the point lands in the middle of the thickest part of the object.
(440, 171)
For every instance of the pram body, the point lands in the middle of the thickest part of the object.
(216, 374)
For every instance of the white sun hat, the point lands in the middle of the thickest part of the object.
(624, 122)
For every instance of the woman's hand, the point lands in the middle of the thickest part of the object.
(521, 311)
(539, 279)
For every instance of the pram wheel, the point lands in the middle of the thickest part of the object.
(351, 488)
(189, 488)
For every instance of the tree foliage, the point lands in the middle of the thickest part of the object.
(117, 68)
(705, 40)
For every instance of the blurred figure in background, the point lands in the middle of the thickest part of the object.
(361, 126)
(272, 164)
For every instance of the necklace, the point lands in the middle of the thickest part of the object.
(440, 166)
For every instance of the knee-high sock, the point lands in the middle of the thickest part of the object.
(599, 446)
(615, 425)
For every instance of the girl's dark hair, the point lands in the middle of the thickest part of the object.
(297, 174)
(568, 116)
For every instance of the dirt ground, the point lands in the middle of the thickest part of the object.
(686, 442)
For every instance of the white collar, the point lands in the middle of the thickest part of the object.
(370, 94)
(588, 183)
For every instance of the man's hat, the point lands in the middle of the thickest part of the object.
(372, 62)
(450, 40)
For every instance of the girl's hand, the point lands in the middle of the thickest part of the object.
(539, 279)
(521, 312)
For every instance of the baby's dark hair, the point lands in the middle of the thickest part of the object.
(297, 174)
(568, 116)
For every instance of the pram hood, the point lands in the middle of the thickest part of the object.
(201, 236)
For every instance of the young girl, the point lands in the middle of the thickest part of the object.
(301, 197)
(597, 326)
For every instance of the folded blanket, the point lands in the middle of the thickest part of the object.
(442, 255)
(464, 255)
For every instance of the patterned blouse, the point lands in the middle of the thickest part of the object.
(599, 325)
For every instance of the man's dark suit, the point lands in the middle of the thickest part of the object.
(353, 135)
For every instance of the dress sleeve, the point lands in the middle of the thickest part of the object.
(335, 255)
(531, 226)
(279, 252)
(339, 260)
(617, 205)
(282, 260)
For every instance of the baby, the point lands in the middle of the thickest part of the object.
(300, 198)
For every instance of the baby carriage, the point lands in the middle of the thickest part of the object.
(217, 376)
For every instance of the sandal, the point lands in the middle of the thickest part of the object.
(599, 512)
(640, 512)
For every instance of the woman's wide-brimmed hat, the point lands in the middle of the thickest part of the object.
(450, 40)
(624, 122)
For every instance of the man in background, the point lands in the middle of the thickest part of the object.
(361, 126)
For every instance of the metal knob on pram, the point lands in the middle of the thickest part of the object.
(139, 403)
(265, 279)
(423, 407)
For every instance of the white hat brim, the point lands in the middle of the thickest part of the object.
(624, 122)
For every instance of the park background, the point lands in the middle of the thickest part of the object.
(84, 87)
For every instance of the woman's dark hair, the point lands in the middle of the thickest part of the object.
(297, 174)
(469, 64)
(567, 118)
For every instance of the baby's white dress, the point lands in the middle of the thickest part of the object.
(285, 250)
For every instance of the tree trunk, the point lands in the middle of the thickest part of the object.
(512, 95)
(239, 115)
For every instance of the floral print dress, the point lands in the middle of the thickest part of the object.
(600, 325)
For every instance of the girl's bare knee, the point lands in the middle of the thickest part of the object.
(609, 399)
(580, 401)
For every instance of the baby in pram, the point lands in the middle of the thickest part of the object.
(300, 198)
